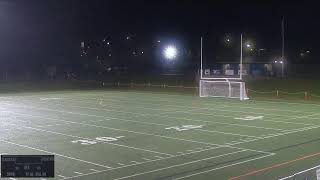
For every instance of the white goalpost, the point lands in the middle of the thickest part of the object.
(226, 87)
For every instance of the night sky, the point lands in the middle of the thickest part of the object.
(43, 30)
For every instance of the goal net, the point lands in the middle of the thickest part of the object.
(226, 89)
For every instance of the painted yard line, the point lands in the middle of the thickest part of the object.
(307, 116)
(239, 105)
(301, 172)
(201, 113)
(274, 166)
(154, 160)
(196, 108)
(211, 131)
(259, 138)
(59, 175)
(162, 116)
(159, 157)
(156, 135)
(50, 125)
(120, 164)
(68, 157)
(241, 162)
(279, 134)
(227, 133)
(94, 170)
(104, 142)
(178, 165)
(78, 172)
(287, 122)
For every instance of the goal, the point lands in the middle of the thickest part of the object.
(226, 89)
(215, 82)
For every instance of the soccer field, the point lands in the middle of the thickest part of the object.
(115, 134)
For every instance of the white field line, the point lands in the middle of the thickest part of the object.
(68, 157)
(241, 162)
(162, 116)
(166, 99)
(191, 110)
(59, 175)
(94, 170)
(222, 155)
(140, 114)
(305, 116)
(276, 135)
(301, 172)
(209, 109)
(178, 165)
(104, 142)
(78, 172)
(173, 117)
(195, 108)
(110, 168)
(237, 142)
(148, 161)
(49, 125)
(142, 133)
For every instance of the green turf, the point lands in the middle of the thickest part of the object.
(52, 122)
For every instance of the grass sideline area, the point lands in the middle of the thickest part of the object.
(160, 133)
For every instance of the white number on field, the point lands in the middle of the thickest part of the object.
(96, 140)
(185, 127)
(250, 118)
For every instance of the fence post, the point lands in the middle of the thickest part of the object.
(277, 93)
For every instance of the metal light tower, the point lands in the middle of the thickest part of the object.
(282, 52)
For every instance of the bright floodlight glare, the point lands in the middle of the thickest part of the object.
(170, 52)
(281, 62)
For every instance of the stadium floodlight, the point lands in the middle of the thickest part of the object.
(170, 52)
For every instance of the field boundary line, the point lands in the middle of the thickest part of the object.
(234, 164)
(300, 172)
(274, 166)
(145, 162)
(177, 165)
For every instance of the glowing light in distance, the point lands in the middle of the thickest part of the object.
(170, 52)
